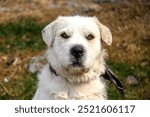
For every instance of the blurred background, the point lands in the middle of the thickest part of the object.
(21, 45)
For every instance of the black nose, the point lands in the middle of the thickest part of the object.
(77, 51)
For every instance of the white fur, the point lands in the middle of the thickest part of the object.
(74, 82)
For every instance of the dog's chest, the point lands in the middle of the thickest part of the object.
(61, 89)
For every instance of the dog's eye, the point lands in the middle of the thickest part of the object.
(64, 35)
(90, 37)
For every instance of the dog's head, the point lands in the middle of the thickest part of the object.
(74, 43)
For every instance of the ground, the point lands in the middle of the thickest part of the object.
(21, 22)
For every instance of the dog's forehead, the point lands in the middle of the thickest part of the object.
(77, 22)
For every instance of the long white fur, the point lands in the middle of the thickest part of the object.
(73, 83)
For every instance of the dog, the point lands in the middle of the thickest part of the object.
(76, 59)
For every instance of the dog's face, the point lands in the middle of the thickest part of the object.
(75, 43)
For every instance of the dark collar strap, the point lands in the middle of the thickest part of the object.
(108, 75)
(52, 70)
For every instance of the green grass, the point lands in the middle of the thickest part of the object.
(21, 36)
(122, 70)
(26, 36)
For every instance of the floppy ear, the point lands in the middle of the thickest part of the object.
(106, 35)
(48, 34)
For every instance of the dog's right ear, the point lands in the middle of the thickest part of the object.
(48, 34)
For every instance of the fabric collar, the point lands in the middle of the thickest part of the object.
(52, 70)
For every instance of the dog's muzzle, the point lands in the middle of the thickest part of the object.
(77, 52)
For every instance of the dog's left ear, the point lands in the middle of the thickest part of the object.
(106, 35)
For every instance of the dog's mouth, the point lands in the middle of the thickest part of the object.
(76, 64)
(76, 68)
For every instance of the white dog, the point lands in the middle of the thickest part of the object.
(76, 59)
